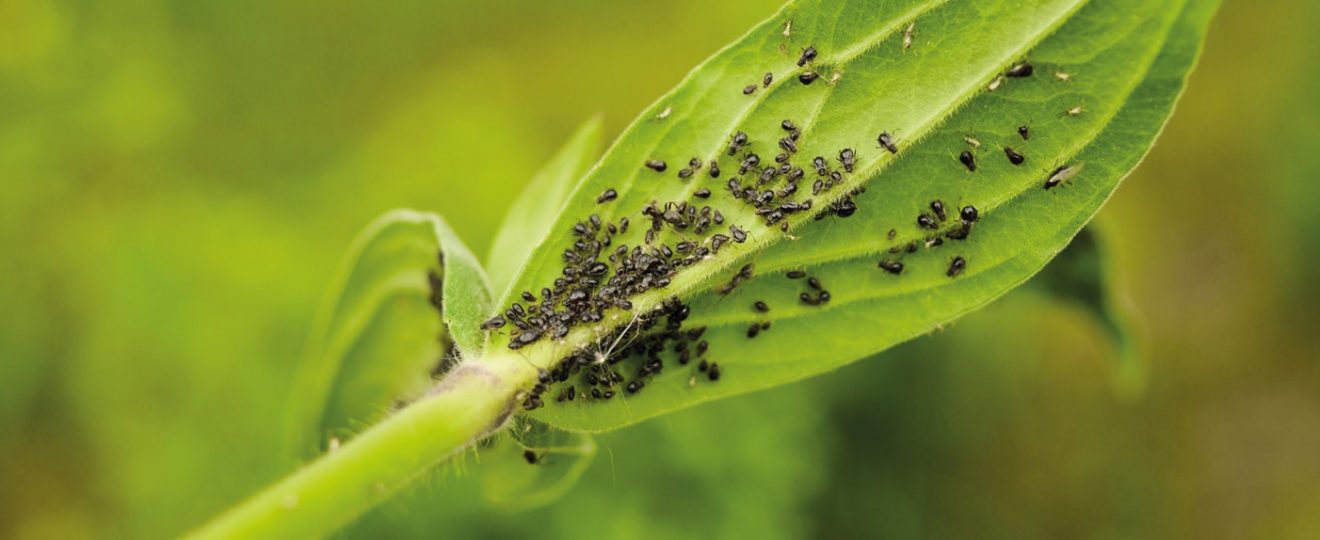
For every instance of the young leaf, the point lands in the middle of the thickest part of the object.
(949, 85)
(1083, 275)
(380, 335)
(532, 214)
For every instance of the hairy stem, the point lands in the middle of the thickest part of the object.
(469, 403)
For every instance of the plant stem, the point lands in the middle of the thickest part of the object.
(469, 403)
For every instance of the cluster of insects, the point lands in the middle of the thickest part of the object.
(605, 267)
(626, 359)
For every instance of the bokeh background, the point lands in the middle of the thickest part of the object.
(179, 179)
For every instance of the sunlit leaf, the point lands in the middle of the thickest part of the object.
(932, 75)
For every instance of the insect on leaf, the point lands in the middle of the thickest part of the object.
(901, 178)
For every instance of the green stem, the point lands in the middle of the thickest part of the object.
(471, 402)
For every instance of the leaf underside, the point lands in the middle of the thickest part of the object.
(1106, 76)
(407, 301)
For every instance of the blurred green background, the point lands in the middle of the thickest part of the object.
(179, 179)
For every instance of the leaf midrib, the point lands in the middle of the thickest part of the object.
(688, 282)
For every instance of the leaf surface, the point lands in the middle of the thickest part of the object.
(1105, 77)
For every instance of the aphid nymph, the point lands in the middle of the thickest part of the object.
(1013, 156)
(808, 54)
(1019, 70)
(887, 141)
(956, 266)
(968, 160)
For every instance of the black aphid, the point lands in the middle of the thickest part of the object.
(956, 267)
(1020, 70)
(528, 296)
(808, 77)
(788, 125)
(1024, 131)
(796, 274)
(702, 193)
(808, 54)
(925, 221)
(761, 306)
(813, 283)
(531, 457)
(493, 323)
(714, 169)
(845, 207)
(1014, 157)
(788, 145)
(753, 330)
(969, 214)
(657, 165)
(887, 142)
(767, 79)
(960, 232)
(848, 158)
(747, 90)
(937, 206)
(893, 267)
(739, 140)
(967, 160)
(739, 235)
(607, 196)
(695, 163)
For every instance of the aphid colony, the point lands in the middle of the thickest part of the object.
(626, 359)
(599, 275)
(772, 193)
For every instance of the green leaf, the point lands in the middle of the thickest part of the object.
(531, 215)
(379, 336)
(1083, 275)
(1107, 74)
(535, 466)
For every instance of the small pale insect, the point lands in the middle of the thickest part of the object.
(788, 28)
(994, 85)
(972, 142)
(1062, 174)
(907, 35)
(1075, 111)
(1062, 76)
